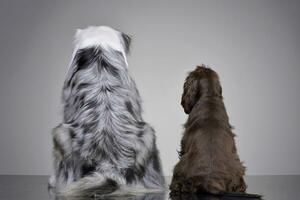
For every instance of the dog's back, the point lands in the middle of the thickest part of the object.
(101, 103)
(103, 142)
(208, 157)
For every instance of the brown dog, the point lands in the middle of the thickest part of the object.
(209, 162)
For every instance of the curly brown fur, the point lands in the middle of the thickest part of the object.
(209, 162)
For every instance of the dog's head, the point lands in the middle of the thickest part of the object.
(97, 48)
(201, 82)
(104, 37)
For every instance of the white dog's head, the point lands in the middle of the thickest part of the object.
(103, 36)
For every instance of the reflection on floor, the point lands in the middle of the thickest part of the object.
(156, 196)
(35, 188)
(162, 196)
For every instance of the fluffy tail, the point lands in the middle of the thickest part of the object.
(90, 186)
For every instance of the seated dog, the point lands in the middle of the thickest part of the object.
(103, 143)
(209, 162)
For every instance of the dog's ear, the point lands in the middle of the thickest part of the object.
(126, 41)
(217, 88)
(191, 92)
(220, 90)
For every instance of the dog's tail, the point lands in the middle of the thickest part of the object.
(90, 185)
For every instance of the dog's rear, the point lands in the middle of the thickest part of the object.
(208, 159)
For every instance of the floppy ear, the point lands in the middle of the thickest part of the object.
(217, 86)
(126, 41)
(191, 93)
(220, 90)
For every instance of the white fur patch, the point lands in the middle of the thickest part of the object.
(103, 36)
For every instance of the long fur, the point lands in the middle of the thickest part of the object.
(209, 162)
(103, 143)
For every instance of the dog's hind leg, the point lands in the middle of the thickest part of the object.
(64, 169)
(147, 159)
(153, 177)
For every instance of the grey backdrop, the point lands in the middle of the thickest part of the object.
(253, 45)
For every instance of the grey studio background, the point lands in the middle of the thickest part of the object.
(253, 45)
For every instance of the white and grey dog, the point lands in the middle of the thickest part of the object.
(103, 143)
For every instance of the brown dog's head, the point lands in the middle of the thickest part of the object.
(201, 82)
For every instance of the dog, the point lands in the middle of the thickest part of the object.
(103, 144)
(209, 162)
